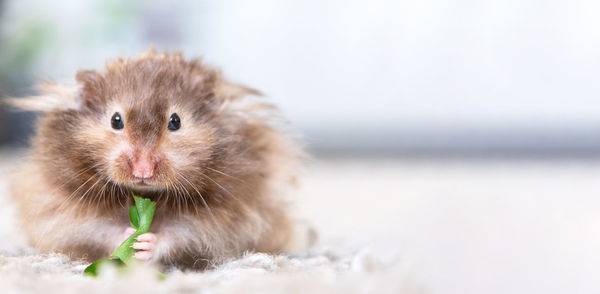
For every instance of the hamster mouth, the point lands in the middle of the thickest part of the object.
(141, 183)
(144, 183)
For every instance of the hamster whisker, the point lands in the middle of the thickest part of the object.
(101, 194)
(72, 178)
(115, 191)
(167, 187)
(89, 200)
(222, 188)
(223, 173)
(190, 196)
(201, 198)
(177, 197)
(72, 195)
(219, 185)
(181, 190)
(85, 200)
(185, 195)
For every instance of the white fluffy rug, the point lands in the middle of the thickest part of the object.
(322, 269)
(315, 272)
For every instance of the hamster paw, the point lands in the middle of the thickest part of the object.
(144, 246)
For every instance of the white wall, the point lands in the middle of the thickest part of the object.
(366, 66)
(415, 62)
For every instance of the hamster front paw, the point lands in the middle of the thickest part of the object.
(144, 246)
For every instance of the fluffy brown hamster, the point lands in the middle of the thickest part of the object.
(169, 129)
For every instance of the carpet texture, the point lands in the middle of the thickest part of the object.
(319, 271)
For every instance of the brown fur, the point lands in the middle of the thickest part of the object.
(219, 181)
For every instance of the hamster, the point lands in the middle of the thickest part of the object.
(173, 130)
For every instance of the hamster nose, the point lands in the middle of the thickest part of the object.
(143, 168)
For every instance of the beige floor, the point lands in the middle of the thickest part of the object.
(461, 226)
(468, 226)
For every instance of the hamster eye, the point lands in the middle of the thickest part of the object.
(116, 121)
(174, 122)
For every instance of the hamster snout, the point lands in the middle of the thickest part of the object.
(142, 168)
(142, 164)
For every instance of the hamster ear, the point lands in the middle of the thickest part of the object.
(91, 87)
(88, 76)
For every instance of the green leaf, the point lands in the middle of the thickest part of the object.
(93, 269)
(144, 210)
(133, 217)
(140, 216)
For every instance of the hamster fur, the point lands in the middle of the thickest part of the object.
(221, 180)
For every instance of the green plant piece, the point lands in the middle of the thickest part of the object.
(140, 217)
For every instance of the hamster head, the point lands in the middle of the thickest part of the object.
(146, 124)
(149, 121)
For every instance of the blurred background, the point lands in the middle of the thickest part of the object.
(429, 77)
(464, 134)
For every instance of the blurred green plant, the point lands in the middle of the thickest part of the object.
(19, 49)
